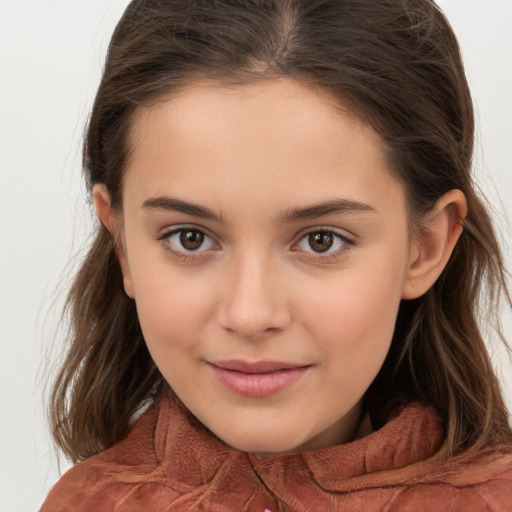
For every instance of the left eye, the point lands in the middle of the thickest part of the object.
(190, 240)
(322, 241)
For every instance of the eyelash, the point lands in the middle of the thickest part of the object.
(183, 255)
(326, 257)
(346, 244)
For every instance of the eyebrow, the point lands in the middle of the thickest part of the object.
(340, 206)
(177, 205)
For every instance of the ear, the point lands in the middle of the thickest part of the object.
(110, 220)
(432, 247)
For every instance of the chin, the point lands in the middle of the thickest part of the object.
(261, 446)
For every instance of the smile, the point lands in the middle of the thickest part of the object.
(256, 380)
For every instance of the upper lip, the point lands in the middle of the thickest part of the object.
(256, 367)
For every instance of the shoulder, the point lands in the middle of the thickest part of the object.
(108, 479)
(494, 497)
(482, 483)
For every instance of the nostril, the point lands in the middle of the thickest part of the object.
(254, 299)
(253, 323)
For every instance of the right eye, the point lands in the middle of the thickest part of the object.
(187, 240)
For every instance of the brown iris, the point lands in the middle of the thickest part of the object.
(321, 241)
(191, 239)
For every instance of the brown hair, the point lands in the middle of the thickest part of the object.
(396, 64)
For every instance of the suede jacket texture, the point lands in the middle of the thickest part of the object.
(169, 462)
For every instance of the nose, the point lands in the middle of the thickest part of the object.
(254, 299)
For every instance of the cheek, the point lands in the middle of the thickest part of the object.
(355, 316)
(171, 307)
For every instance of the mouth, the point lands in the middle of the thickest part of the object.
(257, 379)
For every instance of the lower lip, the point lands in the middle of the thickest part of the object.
(258, 385)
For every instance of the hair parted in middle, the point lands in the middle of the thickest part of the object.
(396, 65)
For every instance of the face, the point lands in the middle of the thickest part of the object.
(265, 242)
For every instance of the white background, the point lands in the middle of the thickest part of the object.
(51, 54)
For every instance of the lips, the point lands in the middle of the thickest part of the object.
(257, 379)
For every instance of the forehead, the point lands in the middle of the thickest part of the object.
(257, 140)
(265, 107)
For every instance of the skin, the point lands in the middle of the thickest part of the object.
(257, 289)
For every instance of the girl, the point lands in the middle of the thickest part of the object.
(286, 276)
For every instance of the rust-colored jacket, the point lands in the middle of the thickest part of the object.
(168, 462)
